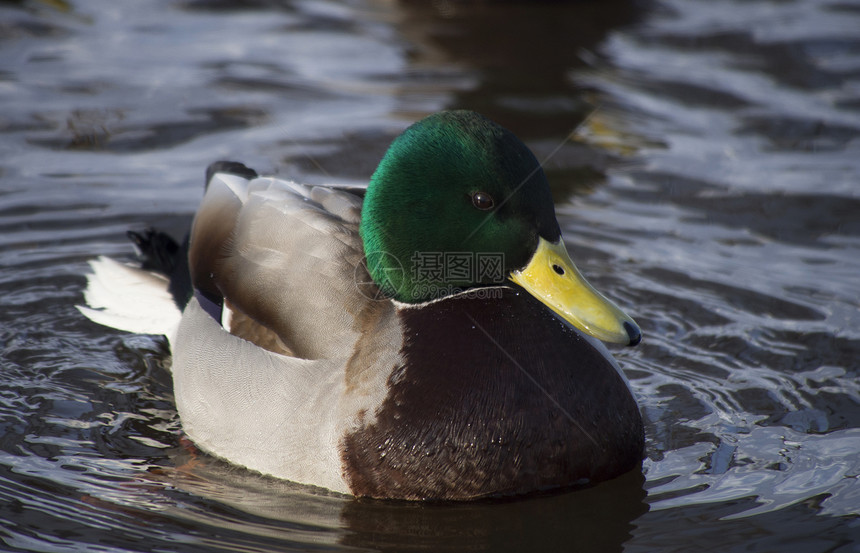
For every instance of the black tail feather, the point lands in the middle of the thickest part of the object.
(160, 253)
(231, 167)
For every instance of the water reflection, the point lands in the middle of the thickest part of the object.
(595, 519)
(747, 378)
(521, 55)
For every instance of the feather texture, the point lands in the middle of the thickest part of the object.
(130, 299)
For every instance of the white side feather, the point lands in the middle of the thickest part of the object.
(129, 298)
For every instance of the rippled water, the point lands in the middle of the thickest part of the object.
(705, 158)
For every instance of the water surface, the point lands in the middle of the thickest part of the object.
(705, 160)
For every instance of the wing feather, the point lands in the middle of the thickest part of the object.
(287, 256)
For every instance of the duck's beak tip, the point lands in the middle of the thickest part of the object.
(633, 333)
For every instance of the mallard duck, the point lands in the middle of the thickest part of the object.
(427, 337)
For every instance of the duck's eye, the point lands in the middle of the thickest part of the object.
(482, 201)
(559, 270)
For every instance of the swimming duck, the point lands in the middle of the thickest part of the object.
(426, 338)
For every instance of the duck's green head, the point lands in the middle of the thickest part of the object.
(459, 202)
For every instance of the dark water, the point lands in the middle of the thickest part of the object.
(705, 158)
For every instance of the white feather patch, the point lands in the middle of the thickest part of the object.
(128, 298)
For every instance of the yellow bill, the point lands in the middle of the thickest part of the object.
(552, 278)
